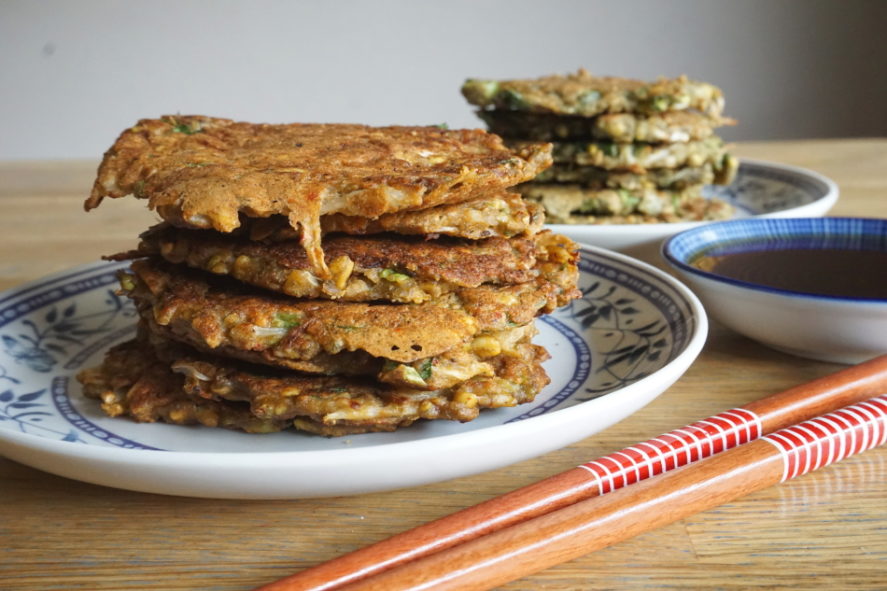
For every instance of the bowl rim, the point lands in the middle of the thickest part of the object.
(666, 251)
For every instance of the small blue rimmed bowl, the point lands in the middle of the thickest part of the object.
(813, 287)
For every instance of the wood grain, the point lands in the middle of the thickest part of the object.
(826, 530)
(768, 414)
(595, 523)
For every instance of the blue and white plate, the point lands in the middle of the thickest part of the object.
(761, 189)
(635, 332)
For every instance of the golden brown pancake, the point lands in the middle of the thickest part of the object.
(562, 202)
(372, 268)
(205, 172)
(193, 389)
(472, 358)
(587, 95)
(505, 215)
(668, 127)
(332, 278)
(216, 315)
(692, 209)
(591, 177)
(212, 314)
(638, 158)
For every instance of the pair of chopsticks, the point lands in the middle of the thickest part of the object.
(569, 514)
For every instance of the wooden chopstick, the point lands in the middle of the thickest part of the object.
(592, 524)
(682, 446)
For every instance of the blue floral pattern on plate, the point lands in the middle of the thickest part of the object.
(42, 328)
(634, 332)
(627, 325)
(761, 188)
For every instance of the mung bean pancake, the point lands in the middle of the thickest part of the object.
(564, 201)
(214, 314)
(472, 358)
(696, 209)
(637, 157)
(334, 278)
(720, 172)
(183, 388)
(587, 95)
(669, 127)
(505, 215)
(206, 172)
(362, 269)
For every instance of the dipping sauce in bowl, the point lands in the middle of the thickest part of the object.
(837, 272)
(814, 287)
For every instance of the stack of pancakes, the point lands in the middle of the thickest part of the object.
(333, 278)
(625, 151)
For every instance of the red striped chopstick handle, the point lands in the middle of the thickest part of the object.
(595, 523)
(830, 438)
(677, 448)
(734, 427)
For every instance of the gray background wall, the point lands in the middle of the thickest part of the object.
(73, 74)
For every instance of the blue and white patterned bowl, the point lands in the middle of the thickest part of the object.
(830, 328)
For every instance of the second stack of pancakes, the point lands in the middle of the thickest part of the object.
(333, 278)
(625, 151)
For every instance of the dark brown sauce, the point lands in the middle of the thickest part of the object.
(826, 271)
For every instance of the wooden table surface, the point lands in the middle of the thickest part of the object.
(825, 530)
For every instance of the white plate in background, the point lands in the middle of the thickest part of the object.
(761, 189)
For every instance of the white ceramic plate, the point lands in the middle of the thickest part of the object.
(629, 338)
(761, 189)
